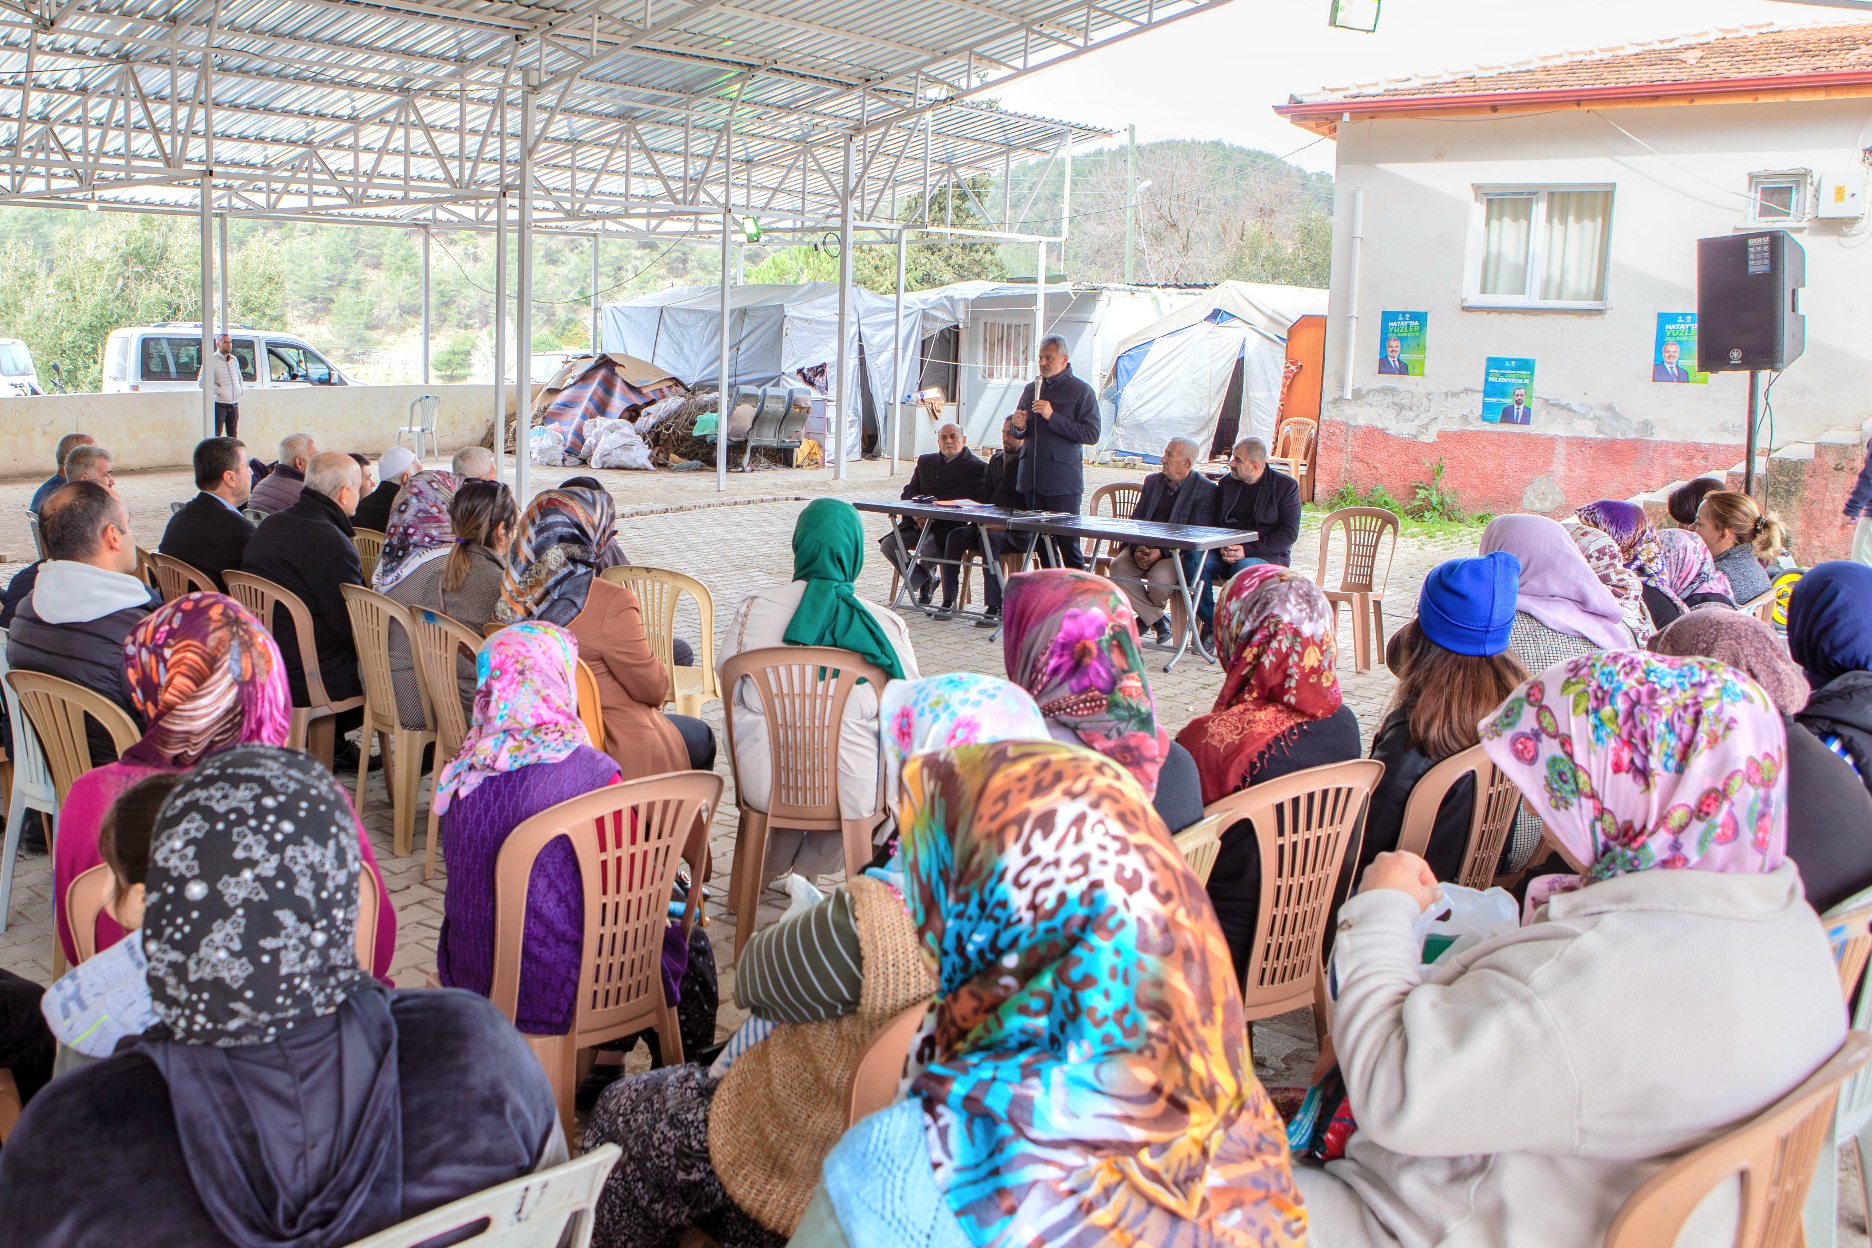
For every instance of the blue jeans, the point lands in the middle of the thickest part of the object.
(1218, 571)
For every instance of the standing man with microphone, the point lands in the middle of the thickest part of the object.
(1056, 416)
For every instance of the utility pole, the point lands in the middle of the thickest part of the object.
(1130, 273)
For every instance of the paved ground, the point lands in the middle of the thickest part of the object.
(735, 544)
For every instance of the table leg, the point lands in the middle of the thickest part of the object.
(903, 578)
(1192, 629)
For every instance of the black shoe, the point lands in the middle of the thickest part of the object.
(925, 594)
(946, 611)
(1160, 632)
(990, 619)
(344, 759)
(592, 1086)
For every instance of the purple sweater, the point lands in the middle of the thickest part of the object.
(473, 830)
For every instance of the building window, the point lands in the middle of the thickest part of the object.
(1007, 351)
(1541, 247)
(1778, 198)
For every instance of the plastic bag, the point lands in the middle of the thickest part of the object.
(1464, 919)
(620, 447)
(591, 433)
(547, 446)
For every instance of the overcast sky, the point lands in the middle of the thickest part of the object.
(1217, 75)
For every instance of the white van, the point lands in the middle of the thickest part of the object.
(18, 377)
(168, 357)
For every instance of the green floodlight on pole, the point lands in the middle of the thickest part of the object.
(1359, 15)
(750, 229)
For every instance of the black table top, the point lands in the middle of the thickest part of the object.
(1133, 532)
(973, 513)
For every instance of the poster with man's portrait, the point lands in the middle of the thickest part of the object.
(1508, 390)
(1674, 352)
(1401, 343)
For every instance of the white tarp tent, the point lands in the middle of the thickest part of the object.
(1170, 378)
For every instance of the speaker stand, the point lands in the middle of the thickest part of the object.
(1754, 416)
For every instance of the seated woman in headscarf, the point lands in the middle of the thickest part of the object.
(417, 540)
(818, 607)
(1829, 811)
(552, 575)
(1562, 609)
(1830, 636)
(1071, 640)
(1280, 711)
(1083, 1076)
(1453, 669)
(1632, 595)
(613, 556)
(1688, 580)
(1519, 1092)
(284, 1097)
(204, 675)
(820, 986)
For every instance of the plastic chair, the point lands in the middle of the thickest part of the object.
(1200, 843)
(1773, 1154)
(1761, 606)
(32, 522)
(629, 838)
(803, 691)
(1293, 451)
(369, 544)
(548, 1209)
(313, 729)
(1117, 500)
(84, 901)
(421, 423)
(658, 592)
(1304, 823)
(1849, 930)
(254, 515)
(880, 1068)
(9, 1104)
(590, 707)
(146, 568)
(372, 617)
(1497, 801)
(436, 640)
(58, 709)
(175, 578)
(1360, 583)
(32, 789)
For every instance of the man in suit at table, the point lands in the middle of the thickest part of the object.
(209, 533)
(1176, 495)
(1056, 418)
(1257, 497)
(1393, 365)
(1516, 410)
(1668, 369)
(950, 472)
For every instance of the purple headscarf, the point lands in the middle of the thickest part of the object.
(1557, 588)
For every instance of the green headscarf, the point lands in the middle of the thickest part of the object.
(828, 554)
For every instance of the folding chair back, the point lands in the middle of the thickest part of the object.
(175, 578)
(552, 1208)
(1497, 801)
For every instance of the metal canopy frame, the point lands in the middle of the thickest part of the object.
(626, 118)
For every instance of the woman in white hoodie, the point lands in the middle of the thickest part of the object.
(1520, 1091)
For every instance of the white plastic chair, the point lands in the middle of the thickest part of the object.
(544, 1210)
(421, 422)
(1847, 930)
(32, 784)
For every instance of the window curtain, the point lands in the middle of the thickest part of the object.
(1575, 263)
(1506, 227)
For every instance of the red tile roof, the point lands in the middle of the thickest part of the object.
(1697, 64)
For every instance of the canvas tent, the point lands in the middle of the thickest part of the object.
(1171, 378)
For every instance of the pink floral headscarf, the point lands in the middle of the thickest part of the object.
(525, 707)
(1688, 568)
(1071, 641)
(1636, 762)
(959, 708)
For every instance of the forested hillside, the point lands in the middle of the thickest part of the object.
(1211, 211)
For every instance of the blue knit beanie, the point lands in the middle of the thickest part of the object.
(1468, 605)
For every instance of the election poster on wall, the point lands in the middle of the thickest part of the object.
(1401, 343)
(1508, 390)
(1674, 353)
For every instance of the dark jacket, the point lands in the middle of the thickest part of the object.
(51, 483)
(1842, 709)
(965, 476)
(85, 652)
(1235, 883)
(1271, 507)
(1053, 463)
(1001, 484)
(373, 511)
(17, 591)
(1859, 502)
(1195, 500)
(1829, 826)
(1405, 765)
(208, 535)
(308, 549)
(279, 491)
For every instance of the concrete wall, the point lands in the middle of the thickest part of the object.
(1601, 427)
(159, 430)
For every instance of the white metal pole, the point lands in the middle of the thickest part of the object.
(500, 331)
(844, 396)
(722, 405)
(221, 266)
(207, 301)
(899, 412)
(1352, 281)
(425, 323)
(594, 296)
(1040, 293)
(1130, 274)
(523, 315)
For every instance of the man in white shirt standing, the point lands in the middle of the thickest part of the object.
(225, 371)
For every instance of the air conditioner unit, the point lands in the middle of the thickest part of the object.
(1841, 196)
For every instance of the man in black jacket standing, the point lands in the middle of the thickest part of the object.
(1177, 495)
(1056, 416)
(1000, 488)
(308, 548)
(210, 534)
(952, 471)
(1253, 496)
